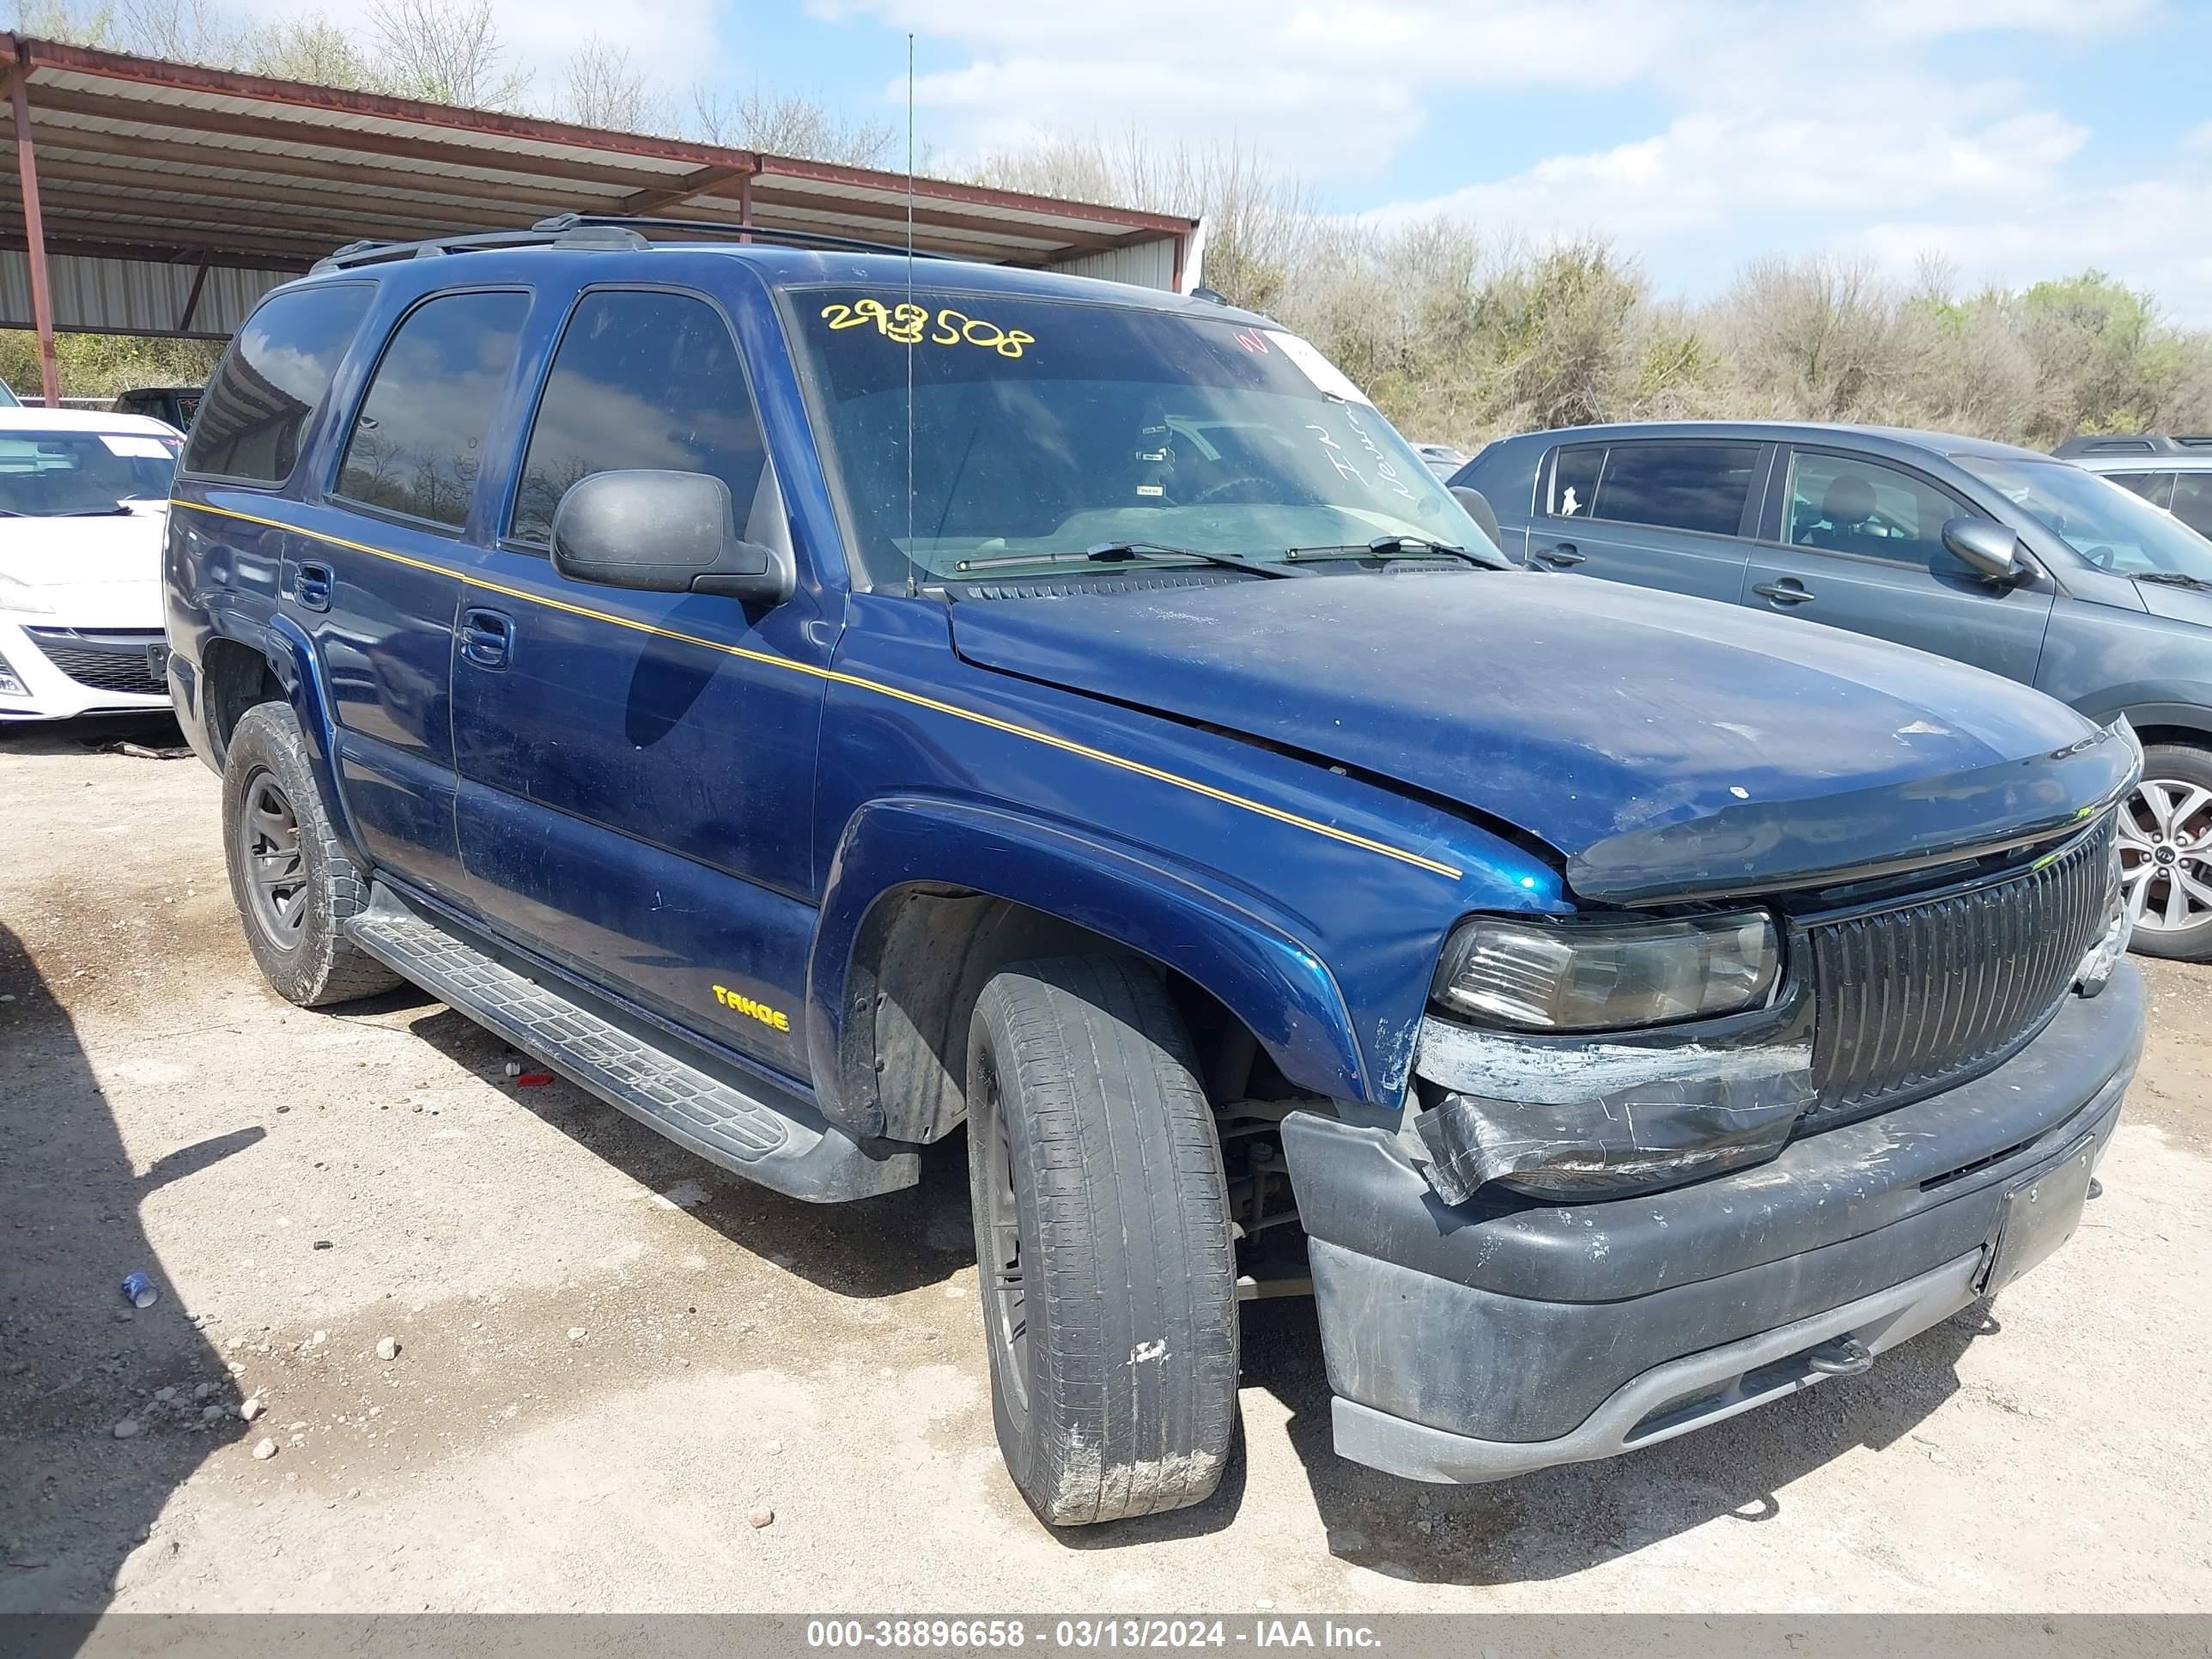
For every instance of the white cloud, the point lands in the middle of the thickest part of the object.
(1866, 147)
(2152, 233)
(1787, 128)
(672, 42)
(1329, 90)
(1928, 19)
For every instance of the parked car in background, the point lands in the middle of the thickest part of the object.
(816, 702)
(1995, 556)
(2172, 472)
(1443, 460)
(83, 505)
(175, 404)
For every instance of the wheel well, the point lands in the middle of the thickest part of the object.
(921, 960)
(233, 678)
(2187, 737)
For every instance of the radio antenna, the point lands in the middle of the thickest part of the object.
(912, 568)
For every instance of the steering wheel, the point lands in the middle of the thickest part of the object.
(1222, 489)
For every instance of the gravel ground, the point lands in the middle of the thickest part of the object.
(612, 1360)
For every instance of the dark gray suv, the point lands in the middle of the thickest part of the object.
(1994, 555)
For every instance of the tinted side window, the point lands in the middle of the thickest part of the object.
(271, 380)
(640, 381)
(1574, 481)
(2192, 501)
(1848, 506)
(2156, 488)
(418, 442)
(1681, 486)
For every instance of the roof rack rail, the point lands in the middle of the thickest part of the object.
(2133, 443)
(373, 252)
(575, 222)
(591, 230)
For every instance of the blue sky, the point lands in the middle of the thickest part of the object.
(2013, 138)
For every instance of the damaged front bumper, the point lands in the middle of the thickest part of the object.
(1484, 1339)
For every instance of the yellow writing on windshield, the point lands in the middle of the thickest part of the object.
(912, 324)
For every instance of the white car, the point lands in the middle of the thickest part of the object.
(84, 503)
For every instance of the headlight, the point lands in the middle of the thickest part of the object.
(21, 596)
(1530, 975)
(2102, 958)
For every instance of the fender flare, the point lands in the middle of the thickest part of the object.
(292, 659)
(1235, 944)
(2153, 705)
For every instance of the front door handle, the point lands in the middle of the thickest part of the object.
(1787, 590)
(313, 586)
(486, 637)
(1562, 556)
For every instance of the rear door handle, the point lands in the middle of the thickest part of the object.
(1789, 591)
(486, 637)
(313, 586)
(1562, 556)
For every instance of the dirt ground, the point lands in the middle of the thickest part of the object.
(610, 1354)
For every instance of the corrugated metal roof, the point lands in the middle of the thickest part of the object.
(135, 296)
(147, 170)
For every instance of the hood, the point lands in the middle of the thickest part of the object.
(1594, 716)
(2189, 605)
(104, 572)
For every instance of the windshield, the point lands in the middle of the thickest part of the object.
(2113, 528)
(1046, 427)
(59, 474)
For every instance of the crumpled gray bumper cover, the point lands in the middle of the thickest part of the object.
(1479, 1339)
(1687, 1126)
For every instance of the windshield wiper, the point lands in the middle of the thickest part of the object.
(1120, 552)
(2173, 579)
(117, 511)
(1383, 547)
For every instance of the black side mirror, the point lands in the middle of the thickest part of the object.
(1478, 508)
(1986, 548)
(663, 532)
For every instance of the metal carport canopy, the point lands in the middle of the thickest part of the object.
(161, 198)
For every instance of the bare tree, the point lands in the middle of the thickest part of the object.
(604, 90)
(445, 51)
(182, 31)
(1258, 219)
(788, 124)
(80, 23)
(311, 49)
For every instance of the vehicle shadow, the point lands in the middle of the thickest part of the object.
(76, 1360)
(876, 1246)
(1563, 1521)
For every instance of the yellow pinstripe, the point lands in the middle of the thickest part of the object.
(1066, 745)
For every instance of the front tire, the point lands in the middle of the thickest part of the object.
(291, 875)
(2165, 852)
(1102, 1241)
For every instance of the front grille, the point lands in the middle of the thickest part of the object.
(121, 661)
(1914, 997)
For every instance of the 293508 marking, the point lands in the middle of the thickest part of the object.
(912, 324)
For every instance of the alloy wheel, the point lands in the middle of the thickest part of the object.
(2165, 854)
(1006, 1305)
(276, 866)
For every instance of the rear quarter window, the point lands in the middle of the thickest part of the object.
(270, 382)
(1678, 486)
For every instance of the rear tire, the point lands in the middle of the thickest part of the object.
(291, 875)
(2165, 852)
(1102, 1240)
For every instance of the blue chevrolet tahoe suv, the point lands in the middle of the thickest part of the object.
(818, 702)
(2027, 566)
